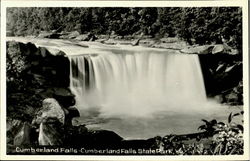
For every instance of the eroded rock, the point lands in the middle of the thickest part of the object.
(50, 109)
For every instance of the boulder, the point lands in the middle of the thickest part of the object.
(64, 92)
(82, 37)
(70, 113)
(50, 35)
(86, 37)
(224, 48)
(73, 112)
(64, 97)
(44, 35)
(55, 52)
(218, 49)
(205, 49)
(64, 36)
(73, 34)
(23, 137)
(233, 52)
(174, 46)
(50, 109)
(105, 37)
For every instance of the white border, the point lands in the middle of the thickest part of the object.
(237, 3)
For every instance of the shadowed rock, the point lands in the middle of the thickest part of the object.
(23, 136)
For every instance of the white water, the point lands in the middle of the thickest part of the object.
(140, 93)
(138, 83)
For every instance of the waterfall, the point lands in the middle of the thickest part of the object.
(137, 82)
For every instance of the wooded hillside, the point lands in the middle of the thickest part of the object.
(198, 25)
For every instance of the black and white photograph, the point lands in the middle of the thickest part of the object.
(124, 80)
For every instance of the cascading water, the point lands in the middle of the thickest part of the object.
(136, 83)
(139, 92)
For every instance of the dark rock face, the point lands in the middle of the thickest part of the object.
(13, 127)
(210, 49)
(37, 86)
(20, 133)
(23, 136)
(223, 75)
(33, 74)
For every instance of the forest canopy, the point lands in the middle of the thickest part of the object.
(196, 25)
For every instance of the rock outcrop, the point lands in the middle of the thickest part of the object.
(205, 49)
(223, 74)
(31, 73)
(36, 82)
(50, 109)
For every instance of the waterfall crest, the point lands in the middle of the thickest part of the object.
(136, 83)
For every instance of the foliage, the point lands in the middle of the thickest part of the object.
(16, 63)
(172, 145)
(222, 139)
(209, 127)
(21, 87)
(229, 139)
(199, 25)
